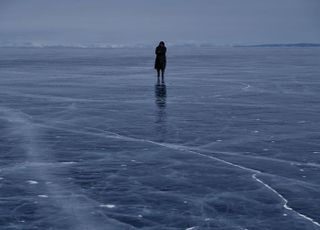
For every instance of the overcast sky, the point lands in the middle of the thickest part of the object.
(147, 21)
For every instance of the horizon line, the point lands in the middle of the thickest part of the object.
(146, 45)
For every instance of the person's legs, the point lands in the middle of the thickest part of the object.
(162, 75)
(158, 75)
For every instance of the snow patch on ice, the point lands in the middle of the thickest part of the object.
(107, 206)
(32, 182)
(191, 228)
(43, 196)
(68, 162)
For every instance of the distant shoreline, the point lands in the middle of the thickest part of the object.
(187, 45)
(283, 45)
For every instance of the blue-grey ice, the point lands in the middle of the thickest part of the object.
(90, 141)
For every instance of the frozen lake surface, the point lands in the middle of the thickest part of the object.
(89, 141)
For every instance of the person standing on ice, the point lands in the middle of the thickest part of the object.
(161, 61)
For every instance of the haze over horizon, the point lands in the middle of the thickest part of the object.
(147, 21)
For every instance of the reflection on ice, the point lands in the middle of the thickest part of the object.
(161, 117)
(161, 95)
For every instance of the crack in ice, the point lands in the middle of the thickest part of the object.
(27, 131)
(254, 171)
(254, 176)
(187, 149)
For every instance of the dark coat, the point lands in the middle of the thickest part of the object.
(161, 60)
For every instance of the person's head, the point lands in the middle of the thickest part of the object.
(161, 43)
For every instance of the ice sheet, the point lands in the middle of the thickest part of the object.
(90, 140)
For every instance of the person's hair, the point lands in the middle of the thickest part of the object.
(161, 43)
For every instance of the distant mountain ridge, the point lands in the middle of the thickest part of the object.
(283, 45)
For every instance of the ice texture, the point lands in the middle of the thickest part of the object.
(90, 141)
